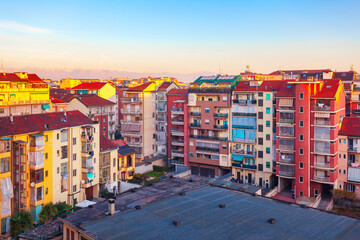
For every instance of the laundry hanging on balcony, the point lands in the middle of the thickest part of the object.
(36, 159)
(90, 176)
(7, 192)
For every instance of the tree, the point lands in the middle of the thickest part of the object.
(61, 206)
(20, 222)
(117, 134)
(48, 212)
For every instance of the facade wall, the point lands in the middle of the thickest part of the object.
(149, 124)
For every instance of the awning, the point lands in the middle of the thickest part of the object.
(237, 157)
(85, 204)
(286, 102)
(353, 174)
(45, 106)
(90, 176)
(37, 135)
(5, 138)
(322, 115)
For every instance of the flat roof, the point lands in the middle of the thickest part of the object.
(244, 217)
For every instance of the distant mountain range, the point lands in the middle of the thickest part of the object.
(57, 74)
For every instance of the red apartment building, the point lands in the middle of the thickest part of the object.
(178, 122)
(307, 162)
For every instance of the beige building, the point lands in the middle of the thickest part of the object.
(108, 165)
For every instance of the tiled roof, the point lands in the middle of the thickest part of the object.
(92, 100)
(34, 78)
(56, 100)
(350, 127)
(11, 77)
(265, 86)
(42, 122)
(106, 144)
(328, 89)
(296, 72)
(176, 91)
(347, 76)
(123, 148)
(140, 88)
(89, 86)
(286, 90)
(164, 85)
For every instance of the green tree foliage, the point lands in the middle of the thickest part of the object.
(20, 222)
(48, 212)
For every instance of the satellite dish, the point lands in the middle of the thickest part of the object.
(82, 181)
(32, 184)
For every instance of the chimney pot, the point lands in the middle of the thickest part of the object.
(111, 209)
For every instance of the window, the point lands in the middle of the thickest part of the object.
(344, 171)
(261, 128)
(64, 153)
(191, 154)
(74, 172)
(210, 99)
(350, 187)
(260, 154)
(58, 170)
(57, 136)
(301, 137)
(260, 103)
(267, 123)
(260, 141)
(268, 110)
(104, 129)
(344, 141)
(301, 193)
(74, 156)
(268, 150)
(46, 155)
(268, 97)
(114, 162)
(74, 188)
(267, 137)
(260, 94)
(267, 164)
(207, 110)
(340, 171)
(301, 179)
(339, 155)
(46, 191)
(301, 95)
(37, 176)
(207, 121)
(344, 156)
(46, 138)
(224, 98)
(339, 140)
(104, 120)
(74, 141)
(260, 115)
(301, 165)
(301, 151)
(64, 136)
(340, 186)
(301, 123)
(260, 167)
(5, 165)
(2, 110)
(301, 109)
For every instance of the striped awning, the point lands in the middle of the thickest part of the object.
(286, 102)
(322, 115)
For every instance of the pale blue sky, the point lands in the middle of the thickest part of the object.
(180, 36)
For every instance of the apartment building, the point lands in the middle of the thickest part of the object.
(253, 147)
(307, 160)
(138, 128)
(97, 109)
(209, 106)
(349, 153)
(69, 83)
(178, 126)
(23, 93)
(304, 74)
(38, 156)
(162, 116)
(126, 160)
(108, 165)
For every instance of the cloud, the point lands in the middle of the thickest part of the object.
(18, 27)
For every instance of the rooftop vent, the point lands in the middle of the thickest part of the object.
(271, 220)
(138, 207)
(221, 205)
(176, 223)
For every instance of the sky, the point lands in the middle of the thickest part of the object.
(180, 38)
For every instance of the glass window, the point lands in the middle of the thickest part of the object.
(4, 165)
(267, 150)
(64, 152)
(268, 110)
(267, 164)
(268, 96)
(207, 110)
(267, 123)
(267, 137)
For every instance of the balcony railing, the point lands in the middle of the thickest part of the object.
(322, 122)
(321, 164)
(353, 148)
(244, 114)
(286, 120)
(221, 115)
(322, 108)
(131, 134)
(220, 126)
(176, 153)
(175, 132)
(321, 178)
(286, 133)
(286, 173)
(322, 136)
(160, 119)
(131, 121)
(177, 121)
(208, 149)
(209, 137)
(287, 159)
(139, 155)
(244, 152)
(132, 100)
(195, 114)
(195, 125)
(285, 109)
(177, 143)
(132, 112)
(104, 164)
(135, 144)
(246, 140)
(286, 146)
(247, 166)
(321, 150)
(244, 102)
(160, 109)
(175, 110)
(244, 126)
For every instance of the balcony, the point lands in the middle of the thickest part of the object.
(177, 121)
(104, 164)
(322, 136)
(209, 137)
(131, 112)
(245, 140)
(322, 179)
(286, 133)
(139, 155)
(87, 137)
(135, 144)
(160, 141)
(220, 127)
(221, 115)
(161, 109)
(322, 108)
(131, 134)
(161, 119)
(176, 153)
(177, 132)
(195, 114)
(321, 165)
(177, 143)
(245, 102)
(86, 147)
(195, 125)
(243, 153)
(286, 159)
(285, 109)
(244, 126)
(286, 173)
(131, 121)
(177, 111)
(133, 100)
(244, 114)
(286, 145)
(352, 148)
(356, 111)
(322, 122)
(246, 166)
(208, 149)
(286, 120)
(160, 98)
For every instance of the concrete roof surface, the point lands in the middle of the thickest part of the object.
(244, 217)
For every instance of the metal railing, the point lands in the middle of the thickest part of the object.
(209, 137)
(322, 108)
(321, 164)
(195, 125)
(221, 115)
(322, 179)
(195, 114)
(208, 149)
(286, 173)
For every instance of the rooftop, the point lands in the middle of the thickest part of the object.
(106, 144)
(176, 91)
(350, 127)
(328, 89)
(89, 86)
(244, 216)
(92, 100)
(140, 88)
(123, 148)
(298, 72)
(42, 122)
(164, 85)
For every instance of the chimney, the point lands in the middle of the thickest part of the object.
(11, 118)
(111, 206)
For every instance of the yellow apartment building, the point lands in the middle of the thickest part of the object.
(108, 165)
(126, 160)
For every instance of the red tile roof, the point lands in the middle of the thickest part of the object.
(56, 100)
(106, 144)
(92, 100)
(286, 90)
(347, 76)
(33, 77)
(42, 122)
(119, 142)
(176, 91)
(164, 85)
(265, 86)
(89, 86)
(296, 72)
(140, 88)
(328, 89)
(123, 148)
(11, 77)
(350, 127)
